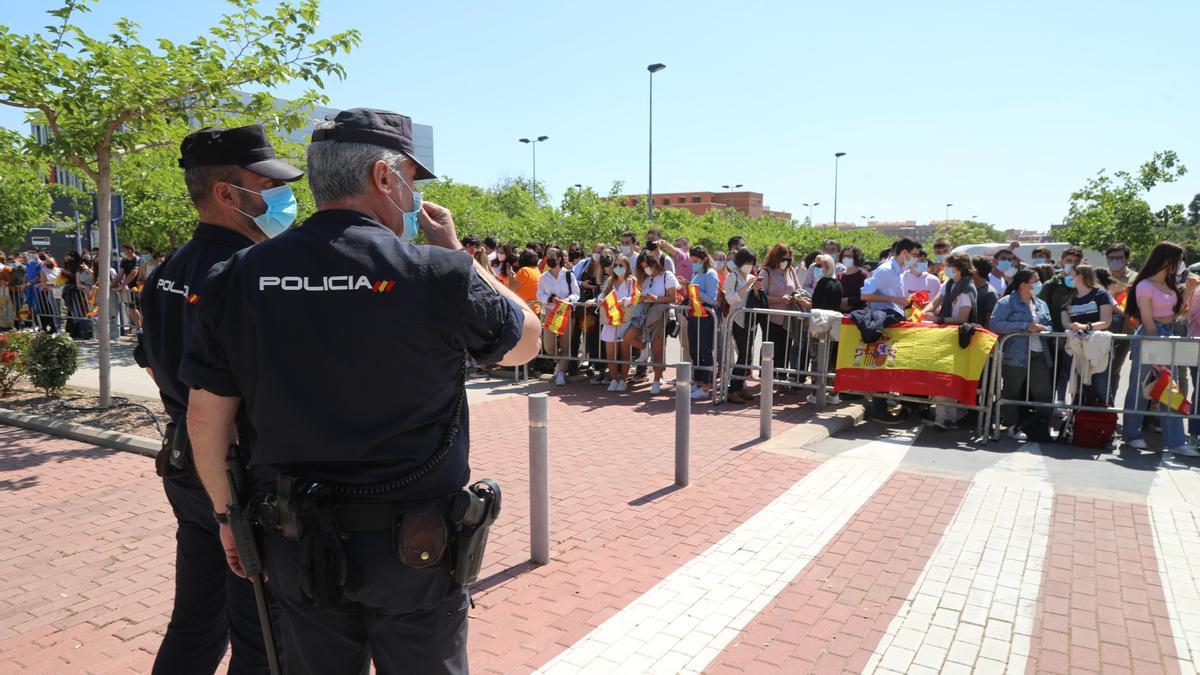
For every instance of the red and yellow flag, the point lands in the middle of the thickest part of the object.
(24, 314)
(635, 296)
(1164, 390)
(558, 318)
(613, 310)
(695, 307)
(913, 359)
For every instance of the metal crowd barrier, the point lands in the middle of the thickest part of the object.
(61, 308)
(1180, 355)
(587, 342)
(800, 360)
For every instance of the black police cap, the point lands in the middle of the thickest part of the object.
(246, 147)
(376, 127)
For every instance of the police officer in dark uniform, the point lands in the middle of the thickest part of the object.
(240, 190)
(345, 342)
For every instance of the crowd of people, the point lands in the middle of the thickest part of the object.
(1002, 292)
(53, 294)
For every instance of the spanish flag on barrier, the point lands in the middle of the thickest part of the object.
(613, 310)
(695, 308)
(1164, 390)
(24, 314)
(558, 318)
(913, 359)
(635, 295)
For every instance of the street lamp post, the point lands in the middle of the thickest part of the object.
(836, 156)
(948, 213)
(810, 210)
(728, 208)
(533, 145)
(653, 68)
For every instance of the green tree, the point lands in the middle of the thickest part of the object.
(24, 197)
(1112, 208)
(969, 232)
(106, 98)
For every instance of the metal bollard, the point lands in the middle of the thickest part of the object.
(539, 479)
(683, 421)
(766, 396)
(823, 348)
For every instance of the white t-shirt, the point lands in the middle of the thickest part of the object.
(659, 284)
(549, 285)
(921, 282)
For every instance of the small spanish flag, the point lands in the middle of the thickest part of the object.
(613, 310)
(679, 298)
(25, 314)
(635, 296)
(558, 318)
(1164, 390)
(696, 308)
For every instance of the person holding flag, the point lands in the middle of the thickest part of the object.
(616, 309)
(557, 289)
(701, 298)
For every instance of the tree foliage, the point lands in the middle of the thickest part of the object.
(24, 197)
(509, 212)
(969, 232)
(105, 98)
(1112, 208)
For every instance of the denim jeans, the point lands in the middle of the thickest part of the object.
(1172, 428)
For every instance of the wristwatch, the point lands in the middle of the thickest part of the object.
(222, 518)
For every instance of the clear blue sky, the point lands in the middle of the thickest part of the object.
(1002, 108)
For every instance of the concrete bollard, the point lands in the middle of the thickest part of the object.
(767, 395)
(823, 364)
(683, 421)
(539, 479)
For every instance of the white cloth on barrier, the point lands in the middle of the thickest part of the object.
(826, 322)
(1090, 352)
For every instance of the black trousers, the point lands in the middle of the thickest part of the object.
(405, 620)
(213, 606)
(743, 347)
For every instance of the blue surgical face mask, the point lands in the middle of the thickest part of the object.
(619, 271)
(697, 268)
(1070, 282)
(922, 267)
(280, 213)
(818, 273)
(412, 227)
(1037, 287)
(1039, 261)
(953, 275)
(730, 265)
(1004, 265)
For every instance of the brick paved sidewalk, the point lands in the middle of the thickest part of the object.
(767, 563)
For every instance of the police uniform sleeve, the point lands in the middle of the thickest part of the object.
(493, 322)
(206, 365)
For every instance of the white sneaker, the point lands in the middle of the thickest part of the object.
(656, 388)
(621, 385)
(560, 379)
(698, 393)
(833, 399)
(644, 357)
(1016, 434)
(1185, 450)
(612, 386)
(1137, 444)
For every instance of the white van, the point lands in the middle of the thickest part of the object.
(1025, 252)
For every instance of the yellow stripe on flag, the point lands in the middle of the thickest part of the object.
(913, 359)
(557, 319)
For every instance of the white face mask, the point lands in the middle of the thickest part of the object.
(747, 269)
(626, 249)
(596, 257)
(783, 266)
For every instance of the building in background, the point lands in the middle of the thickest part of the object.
(422, 134)
(747, 203)
(1026, 236)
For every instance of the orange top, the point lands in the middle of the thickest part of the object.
(524, 283)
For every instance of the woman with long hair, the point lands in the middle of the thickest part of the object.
(658, 292)
(701, 329)
(1026, 363)
(616, 338)
(1156, 301)
(781, 280)
(1090, 309)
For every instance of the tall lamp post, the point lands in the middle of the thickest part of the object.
(836, 156)
(810, 208)
(533, 145)
(653, 68)
(948, 213)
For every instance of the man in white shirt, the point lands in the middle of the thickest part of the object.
(1003, 269)
(884, 291)
(918, 278)
(629, 248)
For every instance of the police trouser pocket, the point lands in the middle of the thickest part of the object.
(322, 568)
(420, 537)
(174, 459)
